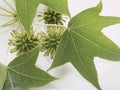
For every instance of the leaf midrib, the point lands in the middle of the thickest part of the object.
(62, 5)
(94, 43)
(24, 61)
(82, 61)
(24, 75)
(63, 47)
(9, 77)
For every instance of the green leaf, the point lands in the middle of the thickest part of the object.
(26, 9)
(84, 40)
(22, 73)
(3, 75)
(60, 6)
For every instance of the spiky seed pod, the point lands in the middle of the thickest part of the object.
(22, 41)
(51, 39)
(52, 17)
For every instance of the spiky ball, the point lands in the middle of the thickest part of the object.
(22, 41)
(51, 39)
(52, 17)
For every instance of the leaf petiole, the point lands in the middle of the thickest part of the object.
(6, 15)
(9, 23)
(49, 25)
(7, 10)
(9, 5)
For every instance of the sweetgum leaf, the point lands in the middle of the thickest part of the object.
(26, 9)
(3, 75)
(60, 6)
(84, 40)
(22, 73)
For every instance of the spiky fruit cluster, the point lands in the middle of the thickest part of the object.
(52, 17)
(22, 41)
(51, 40)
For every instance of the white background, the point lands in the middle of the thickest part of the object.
(70, 79)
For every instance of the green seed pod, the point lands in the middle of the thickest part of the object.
(22, 41)
(52, 17)
(50, 40)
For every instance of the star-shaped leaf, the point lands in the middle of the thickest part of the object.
(60, 6)
(22, 73)
(3, 75)
(84, 40)
(26, 9)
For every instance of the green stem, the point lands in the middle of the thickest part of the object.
(9, 23)
(50, 25)
(9, 5)
(6, 10)
(6, 15)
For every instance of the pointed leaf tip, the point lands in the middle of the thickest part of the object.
(84, 41)
(23, 68)
(26, 9)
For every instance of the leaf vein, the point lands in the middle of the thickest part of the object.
(10, 81)
(82, 61)
(94, 43)
(63, 49)
(28, 76)
(23, 62)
